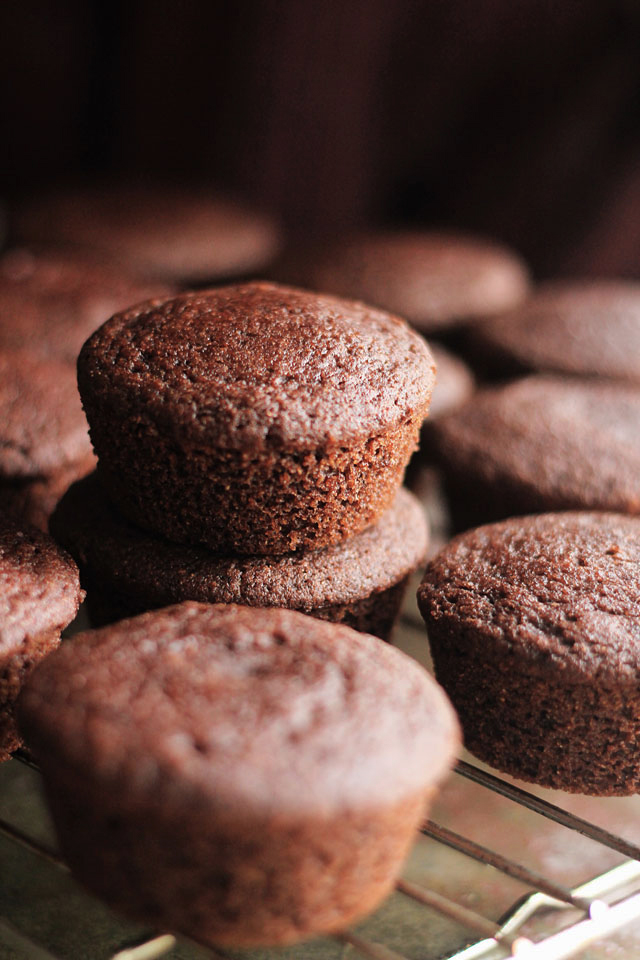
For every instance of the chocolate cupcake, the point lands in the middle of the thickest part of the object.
(435, 280)
(455, 385)
(126, 571)
(587, 328)
(254, 419)
(39, 595)
(541, 443)
(534, 631)
(182, 234)
(51, 302)
(455, 382)
(44, 442)
(208, 766)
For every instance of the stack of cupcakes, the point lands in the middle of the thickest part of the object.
(252, 442)
(251, 445)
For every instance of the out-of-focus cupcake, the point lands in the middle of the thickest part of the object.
(183, 234)
(44, 440)
(51, 301)
(434, 280)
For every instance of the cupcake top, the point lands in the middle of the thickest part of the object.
(266, 709)
(42, 425)
(435, 280)
(563, 443)
(52, 301)
(157, 572)
(555, 588)
(259, 365)
(588, 328)
(39, 586)
(184, 234)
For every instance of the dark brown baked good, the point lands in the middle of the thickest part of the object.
(435, 280)
(534, 626)
(587, 328)
(52, 301)
(541, 443)
(183, 234)
(243, 776)
(33, 500)
(455, 385)
(254, 418)
(39, 595)
(44, 441)
(455, 382)
(126, 571)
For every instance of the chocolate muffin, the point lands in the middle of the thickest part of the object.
(455, 382)
(587, 328)
(51, 302)
(455, 385)
(534, 627)
(359, 582)
(435, 280)
(182, 234)
(254, 419)
(242, 776)
(541, 443)
(39, 595)
(44, 442)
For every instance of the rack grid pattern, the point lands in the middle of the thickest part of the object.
(582, 915)
(548, 920)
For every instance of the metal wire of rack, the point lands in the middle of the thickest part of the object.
(583, 914)
(543, 920)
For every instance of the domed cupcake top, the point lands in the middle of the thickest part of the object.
(265, 708)
(255, 365)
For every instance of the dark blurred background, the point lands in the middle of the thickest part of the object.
(519, 119)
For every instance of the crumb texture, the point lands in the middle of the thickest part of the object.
(254, 365)
(150, 572)
(534, 626)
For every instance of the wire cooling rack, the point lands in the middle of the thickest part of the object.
(460, 898)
